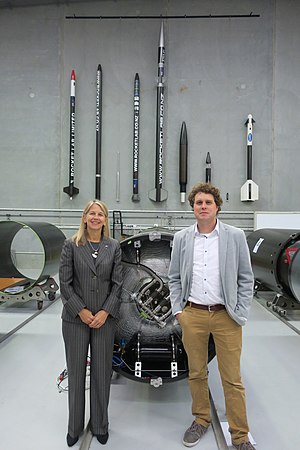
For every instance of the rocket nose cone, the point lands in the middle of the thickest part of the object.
(161, 35)
(183, 134)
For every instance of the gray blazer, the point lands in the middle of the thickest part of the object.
(89, 283)
(235, 271)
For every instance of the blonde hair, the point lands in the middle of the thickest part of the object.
(80, 237)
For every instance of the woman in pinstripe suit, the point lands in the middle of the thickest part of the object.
(90, 277)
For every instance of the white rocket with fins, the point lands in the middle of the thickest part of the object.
(249, 190)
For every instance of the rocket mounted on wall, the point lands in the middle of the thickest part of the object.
(183, 155)
(71, 190)
(249, 190)
(158, 194)
(208, 168)
(136, 139)
(98, 131)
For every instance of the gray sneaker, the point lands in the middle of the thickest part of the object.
(244, 446)
(193, 434)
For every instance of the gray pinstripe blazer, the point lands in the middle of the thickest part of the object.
(89, 283)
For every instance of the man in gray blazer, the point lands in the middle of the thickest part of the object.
(211, 289)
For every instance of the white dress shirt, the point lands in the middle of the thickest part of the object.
(206, 283)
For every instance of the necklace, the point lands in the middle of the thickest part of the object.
(95, 250)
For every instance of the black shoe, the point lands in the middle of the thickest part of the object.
(71, 441)
(102, 438)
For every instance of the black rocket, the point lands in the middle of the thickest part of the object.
(208, 168)
(71, 190)
(249, 190)
(136, 137)
(158, 194)
(98, 131)
(183, 154)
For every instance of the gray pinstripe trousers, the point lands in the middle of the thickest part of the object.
(78, 337)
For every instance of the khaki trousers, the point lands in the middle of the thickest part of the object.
(196, 327)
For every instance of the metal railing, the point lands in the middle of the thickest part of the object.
(131, 221)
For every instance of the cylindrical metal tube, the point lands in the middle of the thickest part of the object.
(51, 239)
(275, 259)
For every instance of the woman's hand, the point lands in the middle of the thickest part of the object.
(99, 319)
(86, 316)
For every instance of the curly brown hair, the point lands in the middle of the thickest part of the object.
(206, 188)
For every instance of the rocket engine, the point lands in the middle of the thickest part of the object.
(148, 344)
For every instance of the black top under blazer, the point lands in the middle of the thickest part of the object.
(86, 282)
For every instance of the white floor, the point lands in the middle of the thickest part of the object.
(13, 314)
(33, 414)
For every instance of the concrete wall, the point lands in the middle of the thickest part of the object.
(217, 72)
(286, 107)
